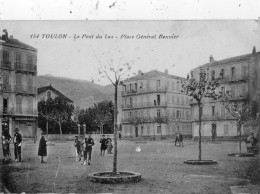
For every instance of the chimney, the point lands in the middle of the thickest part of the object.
(5, 35)
(166, 71)
(140, 72)
(211, 59)
(254, 50)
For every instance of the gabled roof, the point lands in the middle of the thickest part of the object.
(235, 59)
(18, 44)
(151, 74)
(45, 88)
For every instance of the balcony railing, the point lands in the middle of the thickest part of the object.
(6, 88)
(6, 65)
(144, 90)
(8, 111)
(24, 89)
(145, 119)
(144, 105)
(234, 78)
(25, 67)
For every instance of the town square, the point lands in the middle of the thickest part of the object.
(130, 107)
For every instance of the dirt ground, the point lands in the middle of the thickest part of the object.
(160, 163)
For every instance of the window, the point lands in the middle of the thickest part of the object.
(233, 73)
(136, 114)
(173, 85)
(178, 100)
(6, 56)
(148, 112)
(223, 92)
(233, 93)
(19, 104)
(222, 73)
(158, 99)
(213, 74)
(173, 100)
(182, 100)
(213, 111)
(18, 79)
(30, 59)
(18, 57)
(141, 85)
(158, 83)
(130, 114)
(48, 95)
(226, 129)
(178, 113)
(30, 81)
(135, 86)
(158, 112)
(178, 86)
(125, 101)
(173, 114)
(130, 87)
(159, 129)
(222, 110)
(131, 102)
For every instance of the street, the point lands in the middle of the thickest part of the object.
(160, 163)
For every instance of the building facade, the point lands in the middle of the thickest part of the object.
(18, 99)
(47, 92)
(236, 75)
(152, 94)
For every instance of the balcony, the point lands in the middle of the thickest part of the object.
(8, 111)
(21, 89)
(144, 105)
(31, 112)
(6, 88)
(145, 90)
(22, 67)
(236, 78)
(6, 65)
(145, 119)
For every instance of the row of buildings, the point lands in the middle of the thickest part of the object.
(146, 95)
(151, 94)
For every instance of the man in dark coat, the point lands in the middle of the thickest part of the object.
(103, 146)
(88, 149)
(17, 145)
(42, 148)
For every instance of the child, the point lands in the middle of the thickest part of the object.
(77, 145)
(103, 146)
(42, 148)
(109, 146)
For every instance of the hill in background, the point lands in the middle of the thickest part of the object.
(83, 93)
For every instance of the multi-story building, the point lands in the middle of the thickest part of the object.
(18, 95)
(149, 95)
(235, 73)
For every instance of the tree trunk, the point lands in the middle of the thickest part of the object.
(161, 131)
(200, 114)
(240, 137)
(47, 127)
(60, 127)
(115, 130)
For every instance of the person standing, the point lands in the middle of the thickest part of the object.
(180, 139)
(176, 138)
(89, 142)
(120, 136)
(42, 151)
(103, 145)
(6, 139)
(109, 145)
(17, 145)
(77, 145)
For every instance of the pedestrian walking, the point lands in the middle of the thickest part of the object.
(77, 145)
(180, 139)
(42, 151)
(17, 145)
(89, 142)
(176, 138)
(120, 136)
(6, 140)
(103, 145)
(109, 145)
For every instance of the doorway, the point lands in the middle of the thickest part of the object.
(136, 131)
(214, 131)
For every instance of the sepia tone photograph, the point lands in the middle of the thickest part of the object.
(130, 106)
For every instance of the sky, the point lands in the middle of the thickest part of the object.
(80, 58)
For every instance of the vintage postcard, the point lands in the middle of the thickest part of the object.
(130, 106)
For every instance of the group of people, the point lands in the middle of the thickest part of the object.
(84, 150)
(179, 139)
(83, 147)
(106, 144)
(6, 141)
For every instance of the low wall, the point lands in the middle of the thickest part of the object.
(71, 137)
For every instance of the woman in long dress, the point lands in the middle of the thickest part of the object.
(42, 148)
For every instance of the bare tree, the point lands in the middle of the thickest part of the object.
(239, 109)
(198, 90)
(115, 70)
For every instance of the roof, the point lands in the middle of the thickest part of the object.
(235, 59)
(16, 43)
(151, 74)
(45, 88)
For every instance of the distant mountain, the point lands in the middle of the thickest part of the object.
(83, 93)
